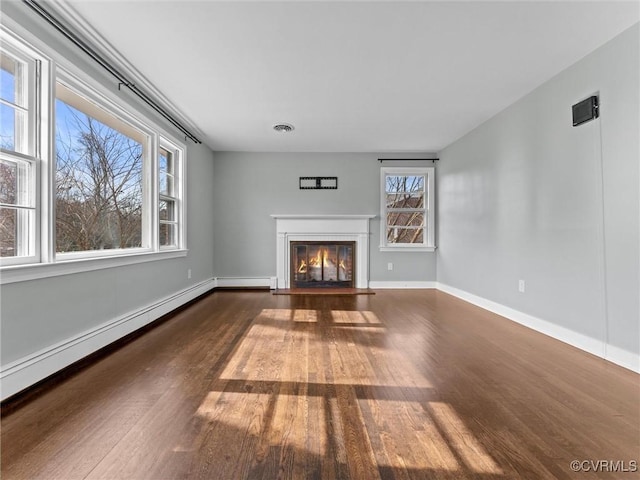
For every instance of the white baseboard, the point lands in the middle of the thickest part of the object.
(419, 284)
(596, 347)
(246, 282)
(29, 370)
(623, 357)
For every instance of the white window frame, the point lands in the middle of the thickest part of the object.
(37, 73)
(46, 262)
(96, 99)
(428, 244)
(178, 154)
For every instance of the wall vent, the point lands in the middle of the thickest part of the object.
(283, 127)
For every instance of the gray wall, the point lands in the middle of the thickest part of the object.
(249, 187)
(528, 196)
(36, 314)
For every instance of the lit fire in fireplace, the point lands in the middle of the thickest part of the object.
(318, 264)
(322, 258)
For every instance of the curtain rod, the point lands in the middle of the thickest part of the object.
(122, 80)
(408, 160)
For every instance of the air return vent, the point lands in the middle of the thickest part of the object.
(283, 127)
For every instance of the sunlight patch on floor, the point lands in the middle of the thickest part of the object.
(278, 348)
(460, 438)
(282, 419)
(409, 437)
(354, 317)
(288, 314)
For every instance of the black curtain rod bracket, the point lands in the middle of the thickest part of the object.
(95, 56)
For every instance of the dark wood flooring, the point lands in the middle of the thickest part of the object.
(397, 385)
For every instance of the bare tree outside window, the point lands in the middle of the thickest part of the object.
(99, 184)
(8, 239)
(405, 202)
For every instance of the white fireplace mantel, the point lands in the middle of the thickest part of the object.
(295, 228)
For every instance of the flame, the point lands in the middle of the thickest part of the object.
(317, 260)
(321, 258)
(325, 258)
(342, 265)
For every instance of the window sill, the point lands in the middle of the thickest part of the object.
(387, 248)
(34, 271)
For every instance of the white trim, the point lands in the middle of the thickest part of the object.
(244, 282)
(411, 284)
(623, 357)
(22, 273)
(591, 345)
(37, 366)
(406, 248)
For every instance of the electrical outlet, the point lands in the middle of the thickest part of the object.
(188, 273)
(521, 286)
(389, 266)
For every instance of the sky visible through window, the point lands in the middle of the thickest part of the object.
(98, 184)
(7, 114)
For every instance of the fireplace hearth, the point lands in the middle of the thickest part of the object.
(322, 264)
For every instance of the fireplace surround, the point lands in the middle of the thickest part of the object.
(325, 229)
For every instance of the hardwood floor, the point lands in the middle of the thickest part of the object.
(397, 385)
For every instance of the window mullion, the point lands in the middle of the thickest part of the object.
(15, 106)
(150, 195)
(16, 206)
(46, 165)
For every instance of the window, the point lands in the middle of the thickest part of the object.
(169, 157)
(18, 161)
(83, 176)
(407, 217)
(99, 177)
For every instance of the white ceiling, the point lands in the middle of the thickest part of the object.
(351, 76)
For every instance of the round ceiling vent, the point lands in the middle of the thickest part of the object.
(283, 127)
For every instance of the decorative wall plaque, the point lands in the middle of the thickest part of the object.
(318, 183)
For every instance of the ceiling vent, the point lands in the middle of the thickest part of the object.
(283, 127)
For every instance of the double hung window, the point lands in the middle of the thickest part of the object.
(19, 69)
(169, 194)
(407, 196)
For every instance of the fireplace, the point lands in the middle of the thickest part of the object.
(320, 264)
(322, 230)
